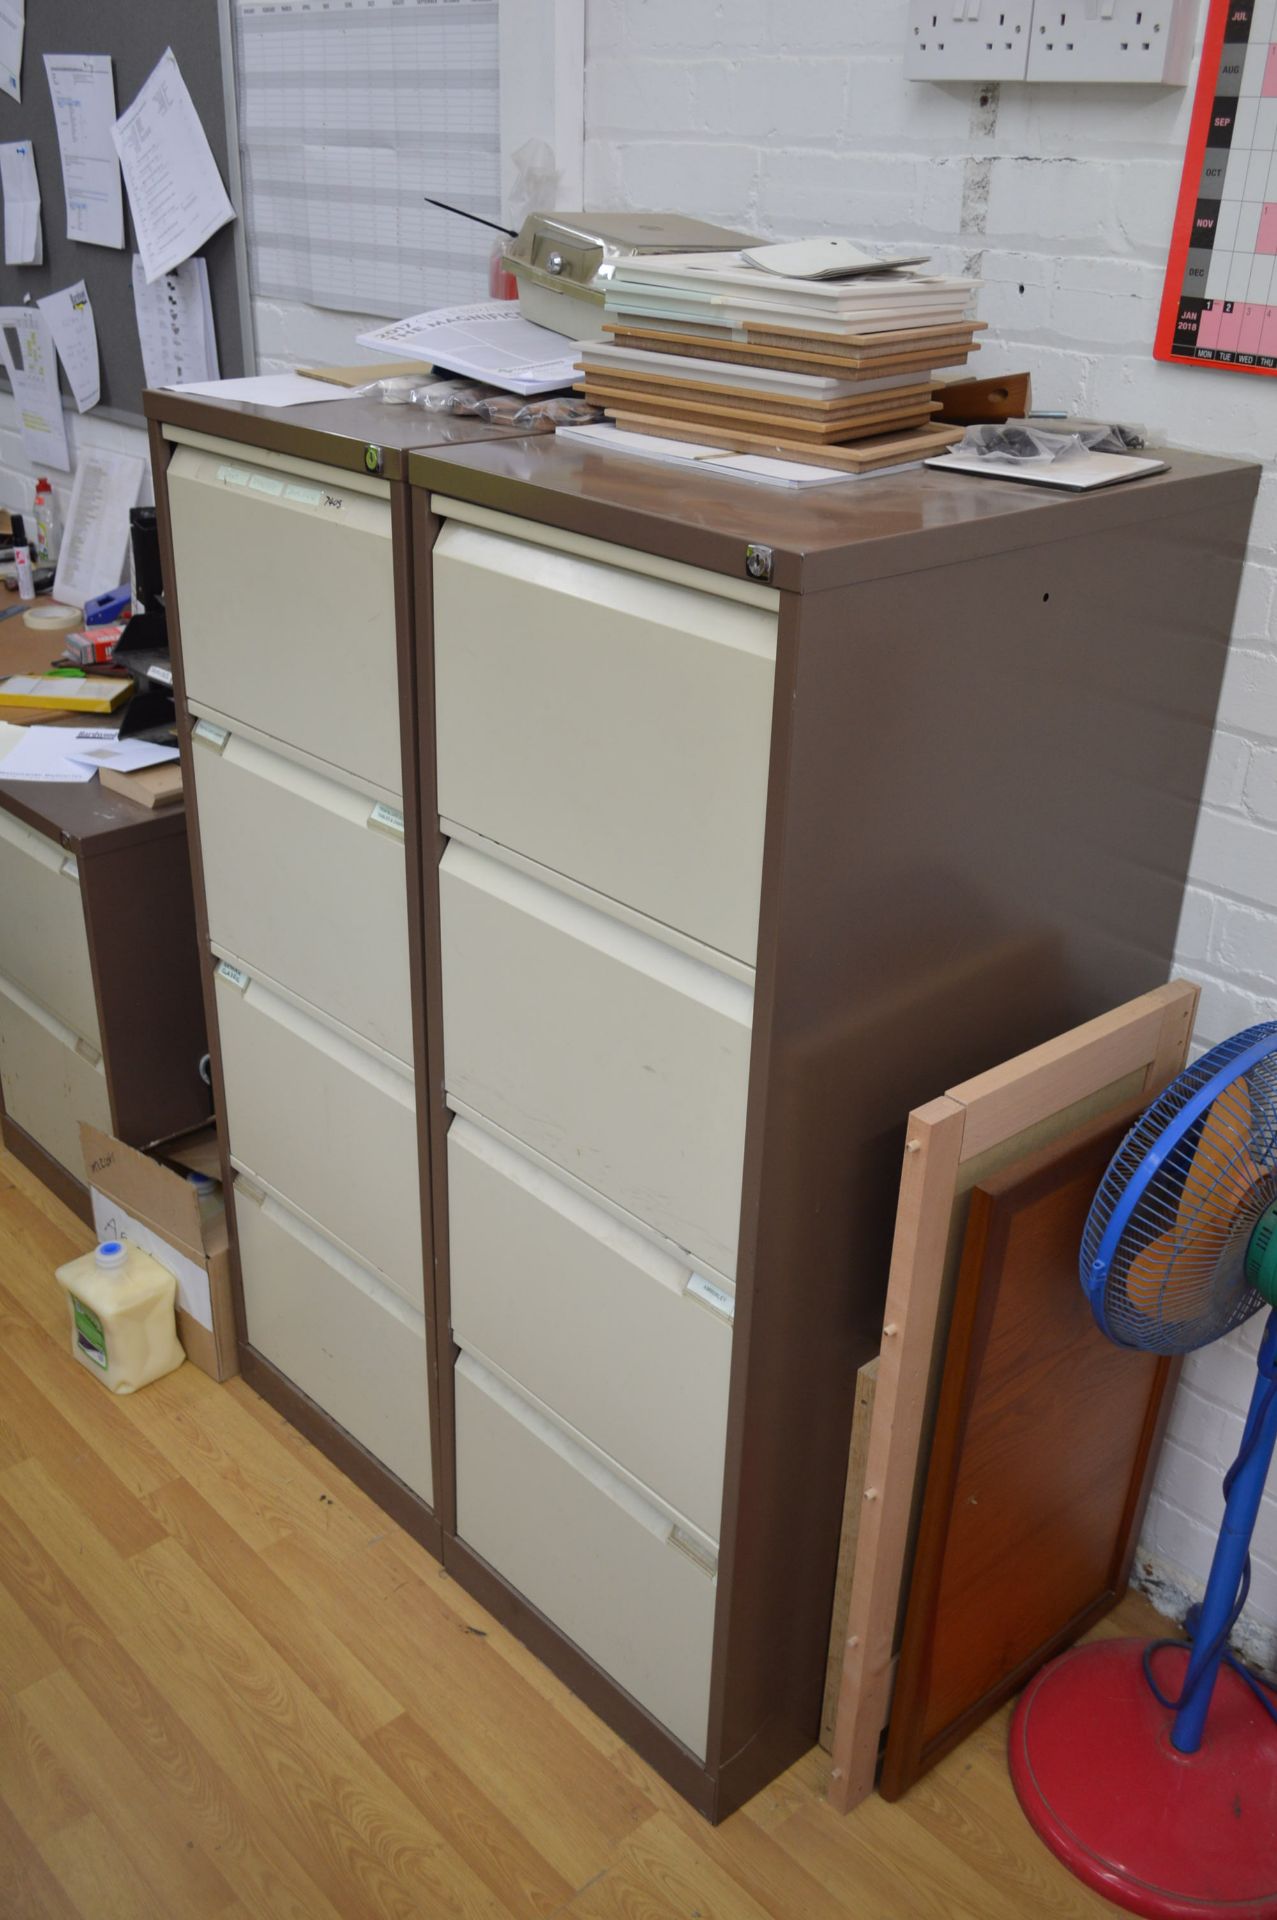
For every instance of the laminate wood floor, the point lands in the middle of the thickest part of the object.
(230, 1687)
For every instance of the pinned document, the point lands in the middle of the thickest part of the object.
(32, 367)
(69, 313)
(82, 88)
(23, 236)
(176, 194)
(175, 323)
(13, 27)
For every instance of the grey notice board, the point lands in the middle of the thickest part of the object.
(135, 34)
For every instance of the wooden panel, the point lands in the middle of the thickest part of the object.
(857, 1468)
(992, 1120)
(1043, 1435)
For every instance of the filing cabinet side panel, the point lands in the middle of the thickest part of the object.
(985, 780)
(411, 1512)
(139, 908)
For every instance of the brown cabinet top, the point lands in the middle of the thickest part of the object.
(87, 818)
(820, 537)
(336, 433)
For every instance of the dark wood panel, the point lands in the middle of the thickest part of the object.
(71, 1192)
(1043, 1443)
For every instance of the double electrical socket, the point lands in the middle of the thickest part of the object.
(1073, 40)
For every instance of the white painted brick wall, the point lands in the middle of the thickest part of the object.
(794, 116)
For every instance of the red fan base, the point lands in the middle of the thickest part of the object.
(1178, 1836)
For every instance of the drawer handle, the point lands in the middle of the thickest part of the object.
(70, 869)
(697, 1553)
(246, 1190)
(86, 1052)
(717, 1299)
(385, 819)
(210, 736)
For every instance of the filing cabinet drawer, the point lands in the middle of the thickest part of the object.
(600, 1562)
(329, 1126)
(612, 727)
(50, 1079)
(304, 885)
(337, 1332)
(286, 600)
(43, 943)
(615, 1055)
(593, 1319)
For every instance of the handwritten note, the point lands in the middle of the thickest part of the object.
(82, 88)
(70, 317)
(175, 191)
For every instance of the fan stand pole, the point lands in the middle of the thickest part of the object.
(1231, 1549)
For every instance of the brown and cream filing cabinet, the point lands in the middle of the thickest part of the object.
(761, 818)
(290, 574)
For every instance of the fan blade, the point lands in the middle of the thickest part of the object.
(1222, 1172)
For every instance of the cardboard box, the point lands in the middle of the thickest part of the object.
(136, 1199)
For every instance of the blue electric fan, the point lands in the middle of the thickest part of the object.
(1151, 1769)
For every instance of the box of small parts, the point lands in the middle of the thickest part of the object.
(92, 645)
(162, 1211)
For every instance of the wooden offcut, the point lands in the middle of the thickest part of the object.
(892, 449)
(987, 1123)
(857, 1465)
(1043, 1451)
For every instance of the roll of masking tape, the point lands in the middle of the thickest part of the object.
(50, 617)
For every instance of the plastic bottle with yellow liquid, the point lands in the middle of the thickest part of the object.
(123, 1315)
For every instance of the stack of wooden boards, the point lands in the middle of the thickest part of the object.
(837, 372)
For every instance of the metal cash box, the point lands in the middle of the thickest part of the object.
(562, 261)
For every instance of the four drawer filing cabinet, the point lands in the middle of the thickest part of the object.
(736, 824)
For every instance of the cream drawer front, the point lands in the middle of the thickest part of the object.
(592, 1319)
(286, 595)
(327, 1125)
(612, 727)
(51, 1081)
(302, 884)
(337, 1332)
(618, 1057)
(43, 943)
(598, 1561)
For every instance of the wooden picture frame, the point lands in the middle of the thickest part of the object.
(1093, 1072)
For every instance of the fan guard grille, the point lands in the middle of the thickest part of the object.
(1164, 1253)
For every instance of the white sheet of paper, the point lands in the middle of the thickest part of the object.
(32, 367)
(488, 341)
(122, 756)
(23, 234)
(175, 191)
(43, 753)
(13, 27)
(175, 323)
(69, 313)
(82, 88)
(92, 558)
(267, 389)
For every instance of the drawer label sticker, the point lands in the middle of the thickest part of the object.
(233, 476)
(305, 496)
(211, 736)
(236, 975)
(718, 1298)
(389, 819)
(266, 483)
(162, 676)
